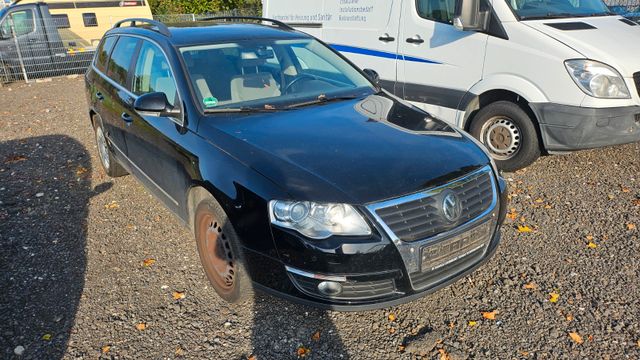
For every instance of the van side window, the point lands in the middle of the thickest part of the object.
(103, 53)
(121, 58)
(153, 74)
(90, 19)
(22, 23)
(437, 10)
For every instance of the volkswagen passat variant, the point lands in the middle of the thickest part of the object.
(297, 174)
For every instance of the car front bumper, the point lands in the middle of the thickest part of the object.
(566, 128)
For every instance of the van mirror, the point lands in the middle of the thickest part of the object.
(155, 104)
(372, 75)
(469, 16)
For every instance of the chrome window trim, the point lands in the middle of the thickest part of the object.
(411, 251)
(315, 276)
(127, 91)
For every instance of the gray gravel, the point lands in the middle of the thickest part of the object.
(73, 243)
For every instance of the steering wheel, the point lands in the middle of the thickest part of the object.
(297, 79)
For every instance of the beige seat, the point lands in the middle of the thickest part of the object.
(253, 86)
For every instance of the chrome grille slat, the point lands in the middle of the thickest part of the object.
(421, 217)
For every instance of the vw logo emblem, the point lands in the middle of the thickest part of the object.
(451, 207)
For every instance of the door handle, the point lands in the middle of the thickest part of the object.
(126, 117)
(386, 38)
(99, 96)
(415, 40)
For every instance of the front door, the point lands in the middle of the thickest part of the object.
(440, 63)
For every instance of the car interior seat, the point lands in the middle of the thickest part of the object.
(253, 84)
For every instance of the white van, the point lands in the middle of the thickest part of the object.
(525, 77)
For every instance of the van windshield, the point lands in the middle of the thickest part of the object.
(550, 9)
(270, 75)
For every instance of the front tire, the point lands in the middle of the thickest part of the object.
(109, 163)
(509, 134)
(220, 253)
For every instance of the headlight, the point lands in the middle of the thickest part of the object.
(316, 220)
(597, 79)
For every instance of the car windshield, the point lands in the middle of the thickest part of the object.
(270, 75)
(550, 9)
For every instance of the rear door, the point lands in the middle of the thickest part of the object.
(153, 143)
(440, 63)
(117, 97)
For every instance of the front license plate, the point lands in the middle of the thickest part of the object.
(446, 251)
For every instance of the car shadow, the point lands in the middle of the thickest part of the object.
(313, 335)
(45, 188)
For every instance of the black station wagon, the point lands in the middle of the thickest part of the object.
(297, 173)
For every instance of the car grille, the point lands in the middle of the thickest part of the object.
(636, 80)
(351, 290)
(421, 216)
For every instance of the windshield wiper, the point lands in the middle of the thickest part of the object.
(548, 16)
(245, 109)
(322, 99)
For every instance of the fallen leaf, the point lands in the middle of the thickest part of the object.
(392, 330)
(512, 215)
(141, 326)
(592, 245)
(524, 353)
(148, 262)
(452, 325)
(638, 344)
(315, 336)
(539, 201)
(401, 348)
(443, 355)
(179, 351)
(105, 349)
(491, 315)
(530, 286)
(178, 295)
(46, 337)
(303, 351)
(569, 317)
(252, 357)
(392, 317)
(631, 226)
(589, 237)
(112, 205)
(590, 337)
(473, 323)
(524, 229)
(626, 190)
(548, 206)
(636, 202)
(14, 159)
(81, 170)
(554, 297)
(575, 337)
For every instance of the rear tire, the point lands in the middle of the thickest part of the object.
(509, 134)
(109, 163)
(220, 253)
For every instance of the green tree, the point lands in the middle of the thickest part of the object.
(200, 6)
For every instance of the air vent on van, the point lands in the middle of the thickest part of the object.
(571, 26)
(629, 22)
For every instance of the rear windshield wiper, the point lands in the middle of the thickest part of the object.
(322, 98)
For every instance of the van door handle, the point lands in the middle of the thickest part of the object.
(387, 38)
(415, 40)
(126, 117)
(99, 96)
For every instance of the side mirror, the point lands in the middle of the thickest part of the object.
(372, 75)
(155, 104)
(469, 16)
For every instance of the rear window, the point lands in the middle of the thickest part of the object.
(121, 58)
(103, 53)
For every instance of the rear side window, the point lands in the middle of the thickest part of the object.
(61, 21)
(437, 10)
(153, 73)
(121, 58)
(103, 53)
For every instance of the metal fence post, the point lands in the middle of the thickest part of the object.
(20, 59)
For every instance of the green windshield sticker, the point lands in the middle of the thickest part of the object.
(210, 102)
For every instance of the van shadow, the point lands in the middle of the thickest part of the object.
(284, 330)
(45, 187)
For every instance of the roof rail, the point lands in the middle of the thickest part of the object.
(277, 23)
(161, 28)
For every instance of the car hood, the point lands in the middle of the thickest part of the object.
(609, 42)
(355, 151)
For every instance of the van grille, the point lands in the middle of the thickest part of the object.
(421, 216)
(636, 79)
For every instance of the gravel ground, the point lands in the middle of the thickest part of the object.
(73, 245)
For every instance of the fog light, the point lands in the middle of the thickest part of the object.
(330, 288)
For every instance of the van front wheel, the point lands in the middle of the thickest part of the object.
(508, 133)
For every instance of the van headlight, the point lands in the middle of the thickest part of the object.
(597, 79)
(318, 220)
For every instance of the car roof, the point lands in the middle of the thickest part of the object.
(206, 32)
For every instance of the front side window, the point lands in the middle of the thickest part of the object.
(269, 74)
(22, 23)
(103, 53)
(437, 10)
(549, 9)
(121, 58)
(153, 74)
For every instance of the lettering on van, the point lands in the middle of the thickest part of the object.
(348, 11)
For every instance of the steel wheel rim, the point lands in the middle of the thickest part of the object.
(102, 147)
(502, 137)
(217, 255)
